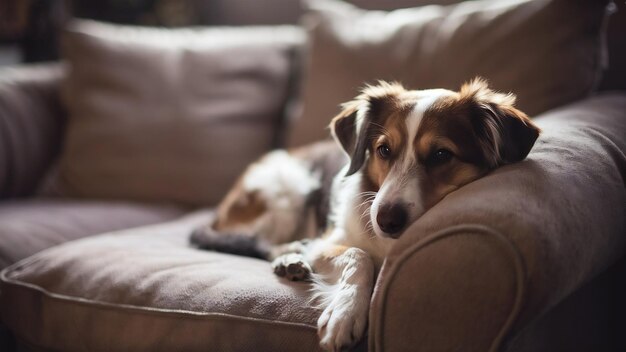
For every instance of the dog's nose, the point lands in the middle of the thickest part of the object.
(392, 219)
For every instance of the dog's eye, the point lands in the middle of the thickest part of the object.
(440, 156)
(384, 151)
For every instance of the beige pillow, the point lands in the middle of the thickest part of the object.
(547, 52)
(170, 115)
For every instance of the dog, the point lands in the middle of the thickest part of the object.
(329, 213)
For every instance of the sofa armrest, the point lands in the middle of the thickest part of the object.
(435, 292)
(501, 251)
(31, 125)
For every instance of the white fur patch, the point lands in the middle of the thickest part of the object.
(352, 221)
(284, 183)
(344, 292)
(425, 100)
(281, 176)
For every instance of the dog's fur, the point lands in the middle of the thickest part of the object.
(407, 150)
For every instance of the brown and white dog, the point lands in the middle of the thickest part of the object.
(407, 149)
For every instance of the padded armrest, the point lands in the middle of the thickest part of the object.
(497, 253)
(31, 124)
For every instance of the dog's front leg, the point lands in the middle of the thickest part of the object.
(343, 282)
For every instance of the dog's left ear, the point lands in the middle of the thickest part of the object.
(506, 134)
(359, 118)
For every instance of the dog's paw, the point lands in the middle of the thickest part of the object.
(343, 322)
(292, 266)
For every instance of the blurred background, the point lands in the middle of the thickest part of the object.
(29, 28)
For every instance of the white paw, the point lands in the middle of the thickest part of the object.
(343, 322)
(292, 266)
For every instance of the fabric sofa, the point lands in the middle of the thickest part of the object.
(529, 258)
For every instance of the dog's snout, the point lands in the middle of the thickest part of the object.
(392, 219)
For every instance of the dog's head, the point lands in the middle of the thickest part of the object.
(415, 147)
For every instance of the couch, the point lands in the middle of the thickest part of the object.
(531, 257)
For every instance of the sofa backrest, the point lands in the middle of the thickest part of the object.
(245, 12)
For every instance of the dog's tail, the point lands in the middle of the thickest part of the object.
(232, 243)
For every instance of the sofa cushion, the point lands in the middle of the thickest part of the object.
(547, 52)
(31, 125)
(29, 226)
(170, 115)
(146, 290)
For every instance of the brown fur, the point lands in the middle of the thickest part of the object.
(239, 207)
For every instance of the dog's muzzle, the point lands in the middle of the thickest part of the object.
(392, 219)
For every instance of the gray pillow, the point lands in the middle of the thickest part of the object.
(169, 115)
(546, 52)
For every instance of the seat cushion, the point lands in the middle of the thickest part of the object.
(145, 289)
(29, 226)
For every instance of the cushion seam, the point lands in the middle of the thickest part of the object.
(142, 309)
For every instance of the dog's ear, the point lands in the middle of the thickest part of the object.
(359, 118)
(344, 130)
(343, 126)
(505, 133)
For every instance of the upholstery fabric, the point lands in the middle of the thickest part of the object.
(30, 225)
(561, 212)
(170, 115)
(31, 125)
(92, 293)
(547, 52)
